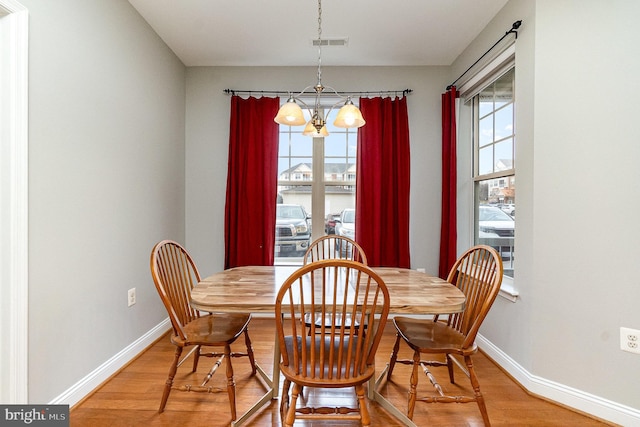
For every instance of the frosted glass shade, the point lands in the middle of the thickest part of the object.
(290, 114)
(310, 130)
(349, 116)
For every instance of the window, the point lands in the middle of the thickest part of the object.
(322, 196)
(494, 167)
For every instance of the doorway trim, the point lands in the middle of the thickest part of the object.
(14, 218)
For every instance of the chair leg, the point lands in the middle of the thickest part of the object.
(291, 412)
(284, 399)
(476, 389)
(413, 384)
(231, 384)
(394, 357)
(252, 359)
(196, 358)
(169, 383)
(450, 367)
(365, 418)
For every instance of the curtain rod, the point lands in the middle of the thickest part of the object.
(404, 92)
(514, 29)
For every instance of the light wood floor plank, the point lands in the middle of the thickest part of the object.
(132, 396)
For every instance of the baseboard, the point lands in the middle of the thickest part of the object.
(562, 394)
(86, 385)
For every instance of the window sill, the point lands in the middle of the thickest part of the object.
(508, 292)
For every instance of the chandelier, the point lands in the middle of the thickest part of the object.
(290, 114)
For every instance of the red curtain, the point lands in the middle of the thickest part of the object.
(382, 182)
(448, 227)
(250, 211)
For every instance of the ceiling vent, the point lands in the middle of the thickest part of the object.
(331, 42)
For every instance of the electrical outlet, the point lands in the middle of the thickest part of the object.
(131, 296)
(630, 340)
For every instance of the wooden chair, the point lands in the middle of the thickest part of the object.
(335, 355)
(174, 274)
(478, 274)
(334, 247)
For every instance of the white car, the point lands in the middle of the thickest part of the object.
(346, 224)
(509, 209)
(496, 229)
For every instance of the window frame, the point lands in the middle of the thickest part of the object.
(494, 69)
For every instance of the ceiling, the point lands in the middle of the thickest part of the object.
(280, 32)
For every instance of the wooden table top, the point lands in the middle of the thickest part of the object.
(253, 289)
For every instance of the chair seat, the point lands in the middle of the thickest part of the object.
(214, 329)
(321, 378)
(330, 320)
(428, 336)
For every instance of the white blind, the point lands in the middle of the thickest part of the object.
(499, 65)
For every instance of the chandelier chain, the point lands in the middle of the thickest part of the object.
(349, 116)
(319, 43)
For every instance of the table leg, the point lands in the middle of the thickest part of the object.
(273, 385)
(382, 401)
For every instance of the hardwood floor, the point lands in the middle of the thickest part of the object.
(132, 396)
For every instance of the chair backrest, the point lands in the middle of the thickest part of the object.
(334, 247)
(175, 274)
(341, 349)
(478, 274)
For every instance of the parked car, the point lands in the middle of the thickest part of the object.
(496, 229)
(293, 230)
(346, 223)
(330, 223)
(509, 209)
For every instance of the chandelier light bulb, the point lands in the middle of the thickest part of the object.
(290, 114)
(311, 130)
(349, 116)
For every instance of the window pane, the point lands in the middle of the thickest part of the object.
(338, 171)
(485, 160)
(301, 169)
(495, 218)
(339, 201)
(334, 147)
(504, 89)
(504, 155)
(293, 223)
(283, 165)
(486, 102)
(486, 130)
(340, 166)
(283, 145)
(504, 122)
(330, 118)
(301, 145)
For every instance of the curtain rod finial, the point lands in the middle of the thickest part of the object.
(514, 28)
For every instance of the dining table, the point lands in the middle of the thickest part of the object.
(253, 289)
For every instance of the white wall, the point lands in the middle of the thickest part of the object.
(106, 179)
(208, 138)
(578, 186)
